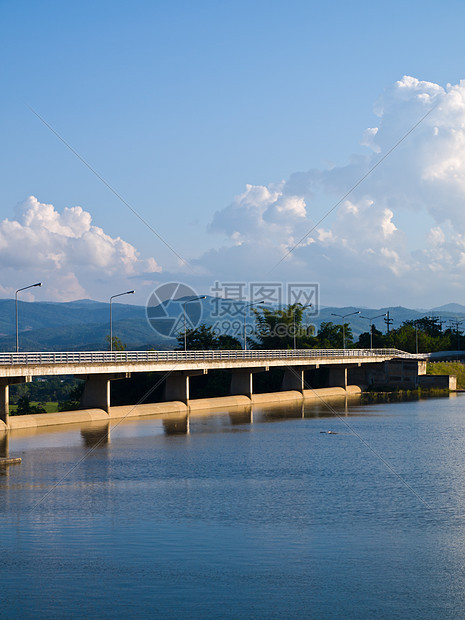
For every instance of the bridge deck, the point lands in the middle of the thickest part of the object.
(95, 362)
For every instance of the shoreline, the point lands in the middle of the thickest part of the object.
(81, 416)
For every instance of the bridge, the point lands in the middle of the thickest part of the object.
(99, 368)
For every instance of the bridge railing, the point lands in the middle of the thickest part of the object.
(124, 357)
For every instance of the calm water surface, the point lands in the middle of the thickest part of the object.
(240, 518)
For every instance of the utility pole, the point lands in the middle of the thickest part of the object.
(455, 323)
(388, 321)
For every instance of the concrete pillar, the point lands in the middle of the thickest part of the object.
(293, 379)
(4, 401)
(177, 387)
(96, 394)
(242, 383)
(177, 384)
(338, 376)
(5, 394)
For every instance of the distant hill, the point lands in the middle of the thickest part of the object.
(85, 324)
(454, 308)
(79, 325)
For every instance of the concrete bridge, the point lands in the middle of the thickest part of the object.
(361, 366)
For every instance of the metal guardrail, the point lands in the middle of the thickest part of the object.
(122, 357)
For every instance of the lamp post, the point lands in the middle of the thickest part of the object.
(293, 318)
(188, 301)
(111, 317)
(371, 319)
(16, 310)
(343, 316)
(245, 308)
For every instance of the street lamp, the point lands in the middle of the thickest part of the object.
(371, 319)
(16, 309)
(111, 321)
(188, 301)
(293, 317)
(245, 308)
(343, 316)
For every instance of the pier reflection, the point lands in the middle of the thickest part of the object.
(4, 454)
(330, 407)
(4, 443)
(241, 416)
(176, 425)
(96, 436)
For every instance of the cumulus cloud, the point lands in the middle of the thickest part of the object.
(401, 231)
(66, 249)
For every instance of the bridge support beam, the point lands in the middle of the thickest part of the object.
(96, 394)
(293, 379)
(338, 376)
(177, 384)
(5, 394)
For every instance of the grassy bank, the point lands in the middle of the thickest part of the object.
(448, 368)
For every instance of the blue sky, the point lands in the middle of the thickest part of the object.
(180, 106)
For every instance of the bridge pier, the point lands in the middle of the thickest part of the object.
(293, 379)
(338, 376)
(177, 384)
(242, 381)
(96, 394)
(5, 394)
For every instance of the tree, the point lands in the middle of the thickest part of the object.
(204, 338)
(331, 336)
(378, 339)
(117, 344)
(228, 343)
(422, 335)
(24, 407)
(275, 329)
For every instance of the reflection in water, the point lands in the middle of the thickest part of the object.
(95, 436)
(241, 416)
(176, 426)
(266, 520)
(330, 407)
(4, 438)
(288, 412)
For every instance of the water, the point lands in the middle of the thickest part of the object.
(270, 519)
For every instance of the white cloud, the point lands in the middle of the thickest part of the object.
(401, 231)
(74, 257)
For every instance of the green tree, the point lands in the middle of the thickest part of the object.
(204, 338)
(424, 335)
(24, 407)
(331, 336)
(117, 344)
(378, 338)
(228, 343)
(275, 329)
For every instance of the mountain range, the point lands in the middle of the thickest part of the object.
(85, 324)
